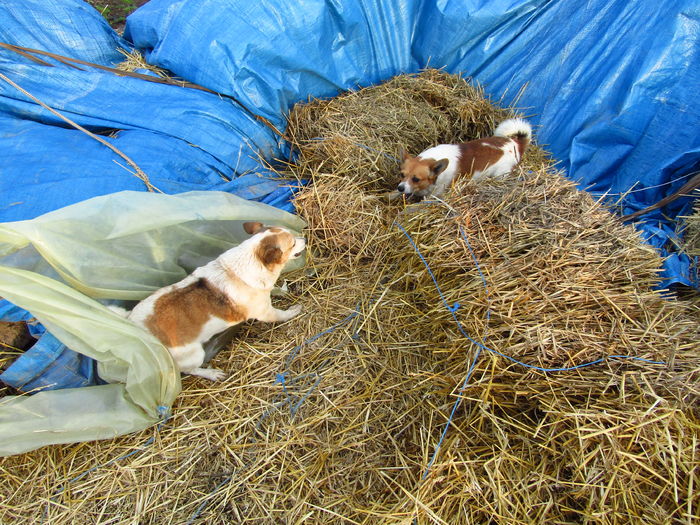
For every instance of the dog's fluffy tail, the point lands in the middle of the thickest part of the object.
(514, 127)
(517, 129)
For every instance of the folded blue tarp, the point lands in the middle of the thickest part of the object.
(183, 139)
(610, 86)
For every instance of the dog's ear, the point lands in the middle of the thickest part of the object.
(403, 155)
(273, 255)
(252, 228)
(439, 167)
(270, 254)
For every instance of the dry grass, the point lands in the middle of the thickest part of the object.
(134, 61)
(692, 233)
(341, 428)
(362, 132)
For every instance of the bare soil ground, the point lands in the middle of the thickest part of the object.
(116, 11)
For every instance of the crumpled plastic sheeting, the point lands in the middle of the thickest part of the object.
(65, 27)
(183, 139)
(120, 246)
(611, 86)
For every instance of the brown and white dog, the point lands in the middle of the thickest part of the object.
(433, 171)
(233, 288)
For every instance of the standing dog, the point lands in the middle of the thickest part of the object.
(433, 171)
(231, 289)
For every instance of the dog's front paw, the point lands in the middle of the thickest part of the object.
(217, 375)
(212, 374)
(293, 311)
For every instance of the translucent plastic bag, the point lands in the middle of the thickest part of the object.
(120, 246)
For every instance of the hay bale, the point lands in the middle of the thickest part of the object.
(345, 137)
(568, 283)
(347, 225)
(335, 416)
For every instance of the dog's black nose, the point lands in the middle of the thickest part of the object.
(401, 187)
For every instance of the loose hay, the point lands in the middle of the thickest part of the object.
(135, 62)
(692, 233)
(361, 133)
(334, 417)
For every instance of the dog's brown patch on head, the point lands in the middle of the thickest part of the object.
(420, 173)
(274, 249)
(178, 316)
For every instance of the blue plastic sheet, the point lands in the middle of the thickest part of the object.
(70, 28)
(183, 139)
(50, 365)
(610, 85)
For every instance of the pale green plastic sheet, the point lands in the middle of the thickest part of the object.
(119, 246)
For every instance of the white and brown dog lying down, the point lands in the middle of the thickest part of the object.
(233, 288)
(433, 171)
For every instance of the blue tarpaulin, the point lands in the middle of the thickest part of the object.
(183, 139)
(610, 86)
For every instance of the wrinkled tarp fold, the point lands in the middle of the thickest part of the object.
(120, 246)
(183, 139)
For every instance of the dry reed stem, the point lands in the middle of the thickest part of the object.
(138, 172)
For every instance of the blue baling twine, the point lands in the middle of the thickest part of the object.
(283, 379)
(294, 351)
(202, 505)
(452, 309)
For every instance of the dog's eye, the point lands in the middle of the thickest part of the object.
(415, 179)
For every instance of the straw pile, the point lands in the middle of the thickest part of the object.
(334, 417)
(692, 233)
(134, 61)
(14, 339)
